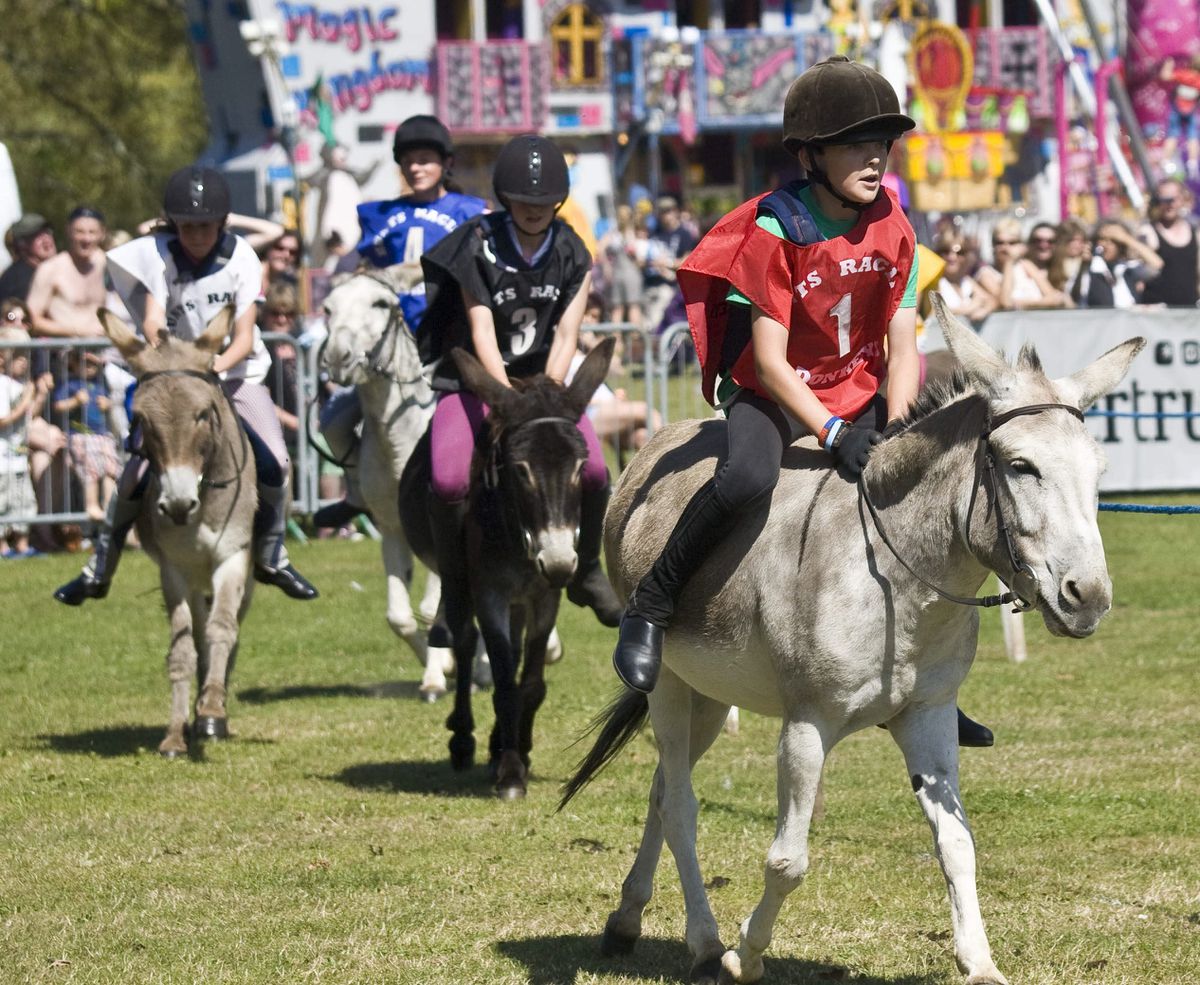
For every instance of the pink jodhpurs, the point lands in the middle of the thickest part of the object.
(457, 419)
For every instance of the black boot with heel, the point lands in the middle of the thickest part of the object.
(590, 587)
(703, 524)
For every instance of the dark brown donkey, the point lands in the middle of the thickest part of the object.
(521, 528)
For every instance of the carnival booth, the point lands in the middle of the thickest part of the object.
(975, 98)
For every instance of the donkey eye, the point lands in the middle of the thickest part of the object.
(1022, 467)
(382, 303)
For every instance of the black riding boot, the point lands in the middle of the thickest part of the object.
(703, 524)
(590, 587)
(108, 542)
(972, 733)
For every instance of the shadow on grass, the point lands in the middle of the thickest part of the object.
(567, 958)
(418, 776)
(130, 740)
(385, 689)
(118, 740)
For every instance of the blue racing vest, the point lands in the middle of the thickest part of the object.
(400, 231)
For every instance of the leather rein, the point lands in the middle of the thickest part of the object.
(1024, 578)
(215, 381)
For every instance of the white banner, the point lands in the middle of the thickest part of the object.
(1160, 448)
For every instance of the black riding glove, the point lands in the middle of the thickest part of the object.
(894, 427)
(852, 446)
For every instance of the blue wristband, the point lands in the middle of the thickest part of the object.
(837, 426)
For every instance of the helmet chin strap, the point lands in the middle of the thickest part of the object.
(521, 229)
(817, 174)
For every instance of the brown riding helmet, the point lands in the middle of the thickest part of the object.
(838, 101)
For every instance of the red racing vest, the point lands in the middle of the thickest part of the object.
(836, 298)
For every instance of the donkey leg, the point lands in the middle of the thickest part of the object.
(493, 611)
(181, 660)
(427, 609)
(671, 704)
(533, 671)
(221, 633)
(928, 737)
(624, 924)
(398, 566)
(801, 757)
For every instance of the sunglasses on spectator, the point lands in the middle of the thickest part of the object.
(280, 313)
(1169, 200)
(1006, 242)
(289, 250)
(949, 250)
(1042, 240)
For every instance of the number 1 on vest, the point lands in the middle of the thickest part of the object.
(841, 311)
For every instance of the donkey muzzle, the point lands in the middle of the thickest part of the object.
(555, 555)
(179, 494)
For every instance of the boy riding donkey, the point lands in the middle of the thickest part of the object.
(790, 298)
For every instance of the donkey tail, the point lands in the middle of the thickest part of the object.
(618, 723)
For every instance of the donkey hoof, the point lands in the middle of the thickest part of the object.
(171, 753)
(211, 727)
(430, 694)
(613, 943)
(706, 972)
(462, 752)
(511, 789)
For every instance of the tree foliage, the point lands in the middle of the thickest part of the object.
(99, 102)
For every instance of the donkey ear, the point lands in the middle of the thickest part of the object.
(128, 344)
(1086, 386)
(478, 380)
(591, 374)
(979, 359)
(404, 277)
(213, 338)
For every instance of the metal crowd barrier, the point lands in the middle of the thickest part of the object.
(656, 374)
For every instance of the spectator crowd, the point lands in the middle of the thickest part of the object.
(63, 415)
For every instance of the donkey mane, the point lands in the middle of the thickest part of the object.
(897, 471)
(935, 395)
(540, 396)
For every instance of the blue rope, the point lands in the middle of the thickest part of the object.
(1139, 415)
(1136, 508)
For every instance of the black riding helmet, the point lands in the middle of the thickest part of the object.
(838, 101)
(422, 131)
(531, 169)
(196, 194)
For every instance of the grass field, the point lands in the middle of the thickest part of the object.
(329, 841)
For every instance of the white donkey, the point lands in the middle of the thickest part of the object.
(371, 347)
(806, 613)
(197, 516)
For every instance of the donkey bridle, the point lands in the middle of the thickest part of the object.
(1024, 579)
(215, 381)
(375, 364)
(491, 472)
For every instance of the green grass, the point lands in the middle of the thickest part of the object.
(329, 841)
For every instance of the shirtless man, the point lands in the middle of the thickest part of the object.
(68, 288)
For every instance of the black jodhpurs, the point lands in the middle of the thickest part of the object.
(758, 433)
